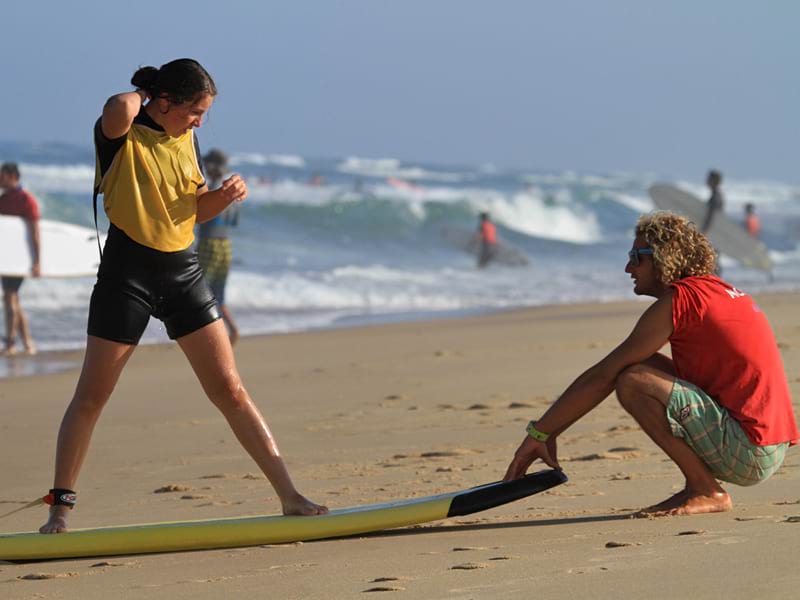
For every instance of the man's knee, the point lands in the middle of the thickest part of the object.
(631, 382)
(642, 381)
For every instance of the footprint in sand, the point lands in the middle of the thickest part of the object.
(514, 405)
(386, 588)
(107, 563)
(467, 548)
(39, 576)
(439, 454)
(469, 566)
(621, 544)
(792, 520)
(595, 456)
(172, 487)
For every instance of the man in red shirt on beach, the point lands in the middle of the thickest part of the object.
(720, 407)
(17, 202)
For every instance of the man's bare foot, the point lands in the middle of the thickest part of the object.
(8, 351)
(30, 350)
(57, 523)
(687, 502)
(300, 505)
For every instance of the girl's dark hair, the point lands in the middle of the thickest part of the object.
(179, 81)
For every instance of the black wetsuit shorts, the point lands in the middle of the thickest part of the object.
(135, 282)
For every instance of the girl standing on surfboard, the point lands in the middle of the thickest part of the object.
(149, 173)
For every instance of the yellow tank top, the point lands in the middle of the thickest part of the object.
(150, 189)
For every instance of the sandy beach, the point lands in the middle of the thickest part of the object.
(355, 411)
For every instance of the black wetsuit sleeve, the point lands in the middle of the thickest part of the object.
(106, 149)
(200, 160)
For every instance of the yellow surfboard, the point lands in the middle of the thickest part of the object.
(275, 529)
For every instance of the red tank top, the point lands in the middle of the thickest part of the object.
(19, 203)
(488, 232)
(723, 343)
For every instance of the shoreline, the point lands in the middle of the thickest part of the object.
(53, 361)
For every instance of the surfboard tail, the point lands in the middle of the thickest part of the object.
(502, 492)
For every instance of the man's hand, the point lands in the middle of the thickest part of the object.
(530, 450)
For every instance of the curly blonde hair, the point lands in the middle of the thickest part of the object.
(679, 249)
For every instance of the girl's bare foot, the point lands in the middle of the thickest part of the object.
(57, 523)
(300, 505)
(687, 502)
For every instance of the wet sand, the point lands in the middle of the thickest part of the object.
(388, 412)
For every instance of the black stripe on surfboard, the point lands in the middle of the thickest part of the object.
(502, 492)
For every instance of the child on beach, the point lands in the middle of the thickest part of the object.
(153, 193)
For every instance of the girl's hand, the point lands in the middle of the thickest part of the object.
(234, 189)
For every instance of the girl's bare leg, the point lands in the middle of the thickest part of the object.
(210, 354)
(102, 365)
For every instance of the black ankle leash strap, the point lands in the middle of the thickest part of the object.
(61, 497)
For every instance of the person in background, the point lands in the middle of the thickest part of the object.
(153, 192)
(751, 221)
(716, 201)
(214, 249)
(17, 202)
(719, 407)
(486, 236)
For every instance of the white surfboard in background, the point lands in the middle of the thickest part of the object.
(66, 250)
(728, 237)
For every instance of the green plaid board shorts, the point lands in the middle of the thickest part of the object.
(718, 439)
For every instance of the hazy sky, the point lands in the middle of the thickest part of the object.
(668, 86)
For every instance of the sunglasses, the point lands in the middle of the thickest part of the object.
(634, 253)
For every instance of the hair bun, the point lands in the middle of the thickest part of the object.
(144, 78)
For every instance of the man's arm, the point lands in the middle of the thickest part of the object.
(649, 335)
(35, 246)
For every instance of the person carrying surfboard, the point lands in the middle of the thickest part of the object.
(719, 408)
(17, 202)
(751, 221)
(148, 171)
(716, 201)
(486, 236)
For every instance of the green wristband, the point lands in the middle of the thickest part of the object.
(539, 436)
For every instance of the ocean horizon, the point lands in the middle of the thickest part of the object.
(329, 242)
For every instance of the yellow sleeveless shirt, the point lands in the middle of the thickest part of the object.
(150, 189)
